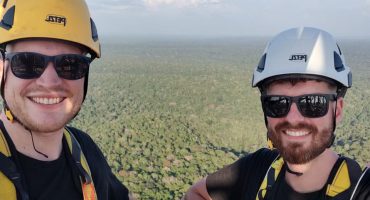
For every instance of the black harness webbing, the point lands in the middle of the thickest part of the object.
(8, 168)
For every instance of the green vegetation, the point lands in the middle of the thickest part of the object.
(167, 112)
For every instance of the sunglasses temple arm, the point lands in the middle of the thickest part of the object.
(334, 125)
(270, 145)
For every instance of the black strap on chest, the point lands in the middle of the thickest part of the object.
(9, 169)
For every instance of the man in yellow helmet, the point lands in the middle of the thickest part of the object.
(47, 47)
(302, 78)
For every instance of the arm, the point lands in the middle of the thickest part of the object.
(217, 186)
(240, 180)
(198, 191)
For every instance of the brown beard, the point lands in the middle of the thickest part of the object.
(294, 152)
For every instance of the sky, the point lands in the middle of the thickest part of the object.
(223, 18)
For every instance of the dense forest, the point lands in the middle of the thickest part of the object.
(167, 112)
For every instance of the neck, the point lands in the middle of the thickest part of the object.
(315, 172)
(49, 143)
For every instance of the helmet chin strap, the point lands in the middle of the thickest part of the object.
(293, 172)
(12, 118)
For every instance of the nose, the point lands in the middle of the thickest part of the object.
(294, 116)
(49, 78)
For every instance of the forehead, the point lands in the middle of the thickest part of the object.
(46, 46)
(300, 88)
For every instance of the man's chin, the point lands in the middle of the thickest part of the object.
(301, 155)
(44, 126)
(45, 129)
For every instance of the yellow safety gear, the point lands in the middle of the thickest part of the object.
(8, 185)
(270, 145)
(67, 20)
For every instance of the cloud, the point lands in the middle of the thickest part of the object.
(179, 3)
(113, 6)
(368, 3)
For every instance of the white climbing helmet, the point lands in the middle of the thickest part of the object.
(303, 52)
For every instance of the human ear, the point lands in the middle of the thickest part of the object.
(339, 109)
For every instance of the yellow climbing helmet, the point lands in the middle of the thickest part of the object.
(67, 20)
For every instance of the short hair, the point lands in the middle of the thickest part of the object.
(293, 81)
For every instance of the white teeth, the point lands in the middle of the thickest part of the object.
(296, 133)
(47, 101)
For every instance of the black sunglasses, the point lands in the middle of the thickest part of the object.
(309, 105)
(29, 65)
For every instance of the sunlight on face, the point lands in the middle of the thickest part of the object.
(49, 102)
(300, 139)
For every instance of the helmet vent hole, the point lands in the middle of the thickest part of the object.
(261, 64)
(338, 63)
(94, 31)
(8, 19)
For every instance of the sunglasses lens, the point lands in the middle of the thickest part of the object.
(313, 105)
(276, 106)
(72, 67)
(27, 65)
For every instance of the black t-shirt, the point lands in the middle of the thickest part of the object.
(59, 179)
(363, 190)
(284, 191)
(242, 180)
(49, 179)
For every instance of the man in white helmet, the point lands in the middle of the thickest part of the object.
(302, 78)
(47, 47)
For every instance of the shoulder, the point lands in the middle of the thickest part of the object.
(263, 154)
(247, 167)
(242, 177)
(89, 148)
(260, 158)
(83, 138)
(106, 183)
(354, 168)
(363, 186)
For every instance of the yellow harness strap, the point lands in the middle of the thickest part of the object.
(87, 183)
(270, 177)
(7, 188)
(340, 183)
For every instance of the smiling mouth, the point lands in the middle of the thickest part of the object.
(296, 133)
(46, 101)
